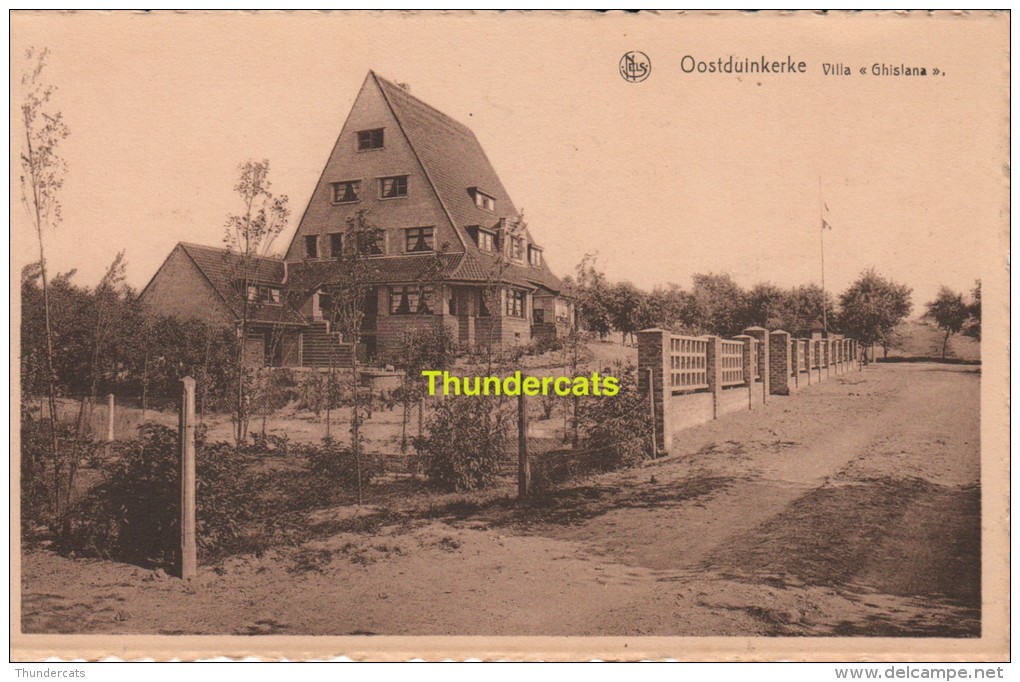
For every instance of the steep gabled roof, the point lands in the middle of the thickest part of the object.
(223, 268)
(452, 157)
(455, 162)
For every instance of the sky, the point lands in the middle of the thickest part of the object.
(675, 175)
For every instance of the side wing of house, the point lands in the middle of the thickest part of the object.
(180, 288)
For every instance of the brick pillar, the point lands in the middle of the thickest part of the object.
(826, 355)
(779, 363)
(653, 363)
(748, 358)
(762, 336)
(714, 367)
(796, 350)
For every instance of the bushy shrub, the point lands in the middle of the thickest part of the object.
(48, 478)
(333, 469)
(133, 514)
(616, 430)
(467, 439)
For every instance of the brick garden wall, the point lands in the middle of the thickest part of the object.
(691, 386)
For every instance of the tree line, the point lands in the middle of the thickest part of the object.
(868, 310)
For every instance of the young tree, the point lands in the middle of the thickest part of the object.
(249, 236)
(42, 177)
(351, 281)
(871, 308)
(950, 313)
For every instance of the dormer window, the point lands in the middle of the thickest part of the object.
(483, 200)
(486, 241)
(517, 248)
(370, 139)
(535, 256)
(346, 192)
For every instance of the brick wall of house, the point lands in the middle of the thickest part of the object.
(420, 208)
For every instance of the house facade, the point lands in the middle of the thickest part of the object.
(448, 247)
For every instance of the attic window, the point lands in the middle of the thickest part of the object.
(484, 201)
(370, 139)
(346, 192)
(311, 246)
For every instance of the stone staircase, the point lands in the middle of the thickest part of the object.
(323, 348)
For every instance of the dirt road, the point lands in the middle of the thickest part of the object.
(850, 508)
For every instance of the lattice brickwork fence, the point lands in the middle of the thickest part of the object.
(688, 363)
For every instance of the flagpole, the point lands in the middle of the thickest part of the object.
(821, 239)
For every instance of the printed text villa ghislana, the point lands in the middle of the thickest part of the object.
(788, 65)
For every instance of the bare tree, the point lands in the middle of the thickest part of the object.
(350, 283)
(250, 235)
(42, 177)
(495, 278)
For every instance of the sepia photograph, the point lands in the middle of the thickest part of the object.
(527, 335)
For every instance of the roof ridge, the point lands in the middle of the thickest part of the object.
(221, 249)
(411, 143)
(419, 100)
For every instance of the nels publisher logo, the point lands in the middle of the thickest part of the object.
(635, 66)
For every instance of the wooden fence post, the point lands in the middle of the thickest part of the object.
(654, 347)
(109, 417)
(523, 465)
(189, 553)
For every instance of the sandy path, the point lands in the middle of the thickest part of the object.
(851, 507)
